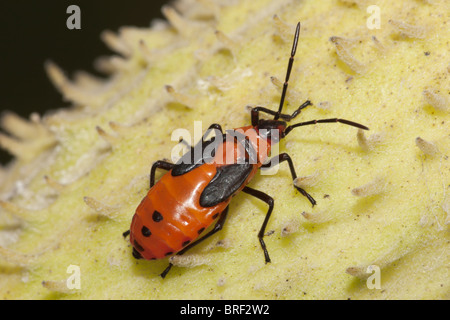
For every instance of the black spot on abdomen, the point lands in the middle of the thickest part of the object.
(157, 217)
(146, 231)
(137, 246)
(136, 254)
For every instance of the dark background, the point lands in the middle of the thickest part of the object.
(32, 32)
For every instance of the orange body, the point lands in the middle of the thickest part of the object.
(171, 211)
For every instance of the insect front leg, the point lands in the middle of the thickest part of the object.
(219, 225)
(287, 117)
(285, 157)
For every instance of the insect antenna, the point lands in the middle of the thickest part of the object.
(288, 71)
(332, 120)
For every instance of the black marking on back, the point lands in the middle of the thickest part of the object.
(225, 183)
(183, 168)
(137, 246)
(195, 157)
(136, 254)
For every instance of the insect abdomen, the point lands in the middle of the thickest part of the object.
(170, 217)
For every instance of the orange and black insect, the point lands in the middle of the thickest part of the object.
(196, 191)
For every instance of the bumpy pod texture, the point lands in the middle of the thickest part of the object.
(380, 228)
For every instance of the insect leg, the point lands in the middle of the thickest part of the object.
(219, 225)
(161, 165)
(269, 200)
(214, 126)
(196, 154)
(287, 117)
(285, 157)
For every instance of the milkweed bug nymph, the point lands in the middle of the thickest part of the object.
(196, 191)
